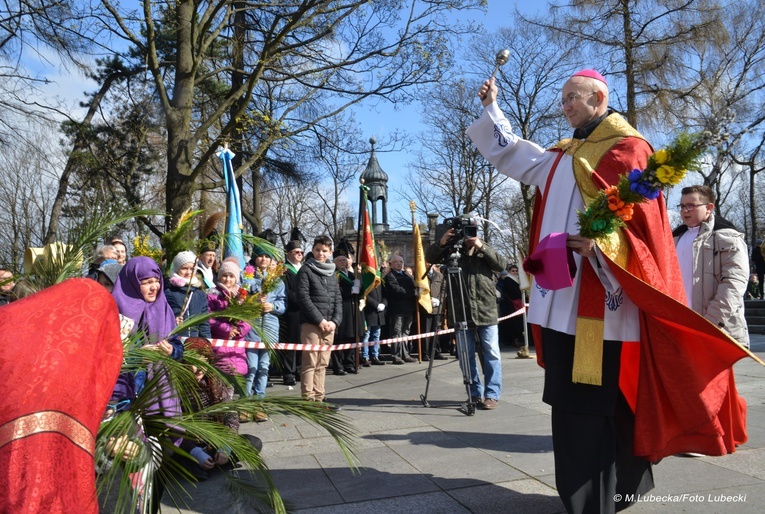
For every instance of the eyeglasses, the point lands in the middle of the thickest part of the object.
(573, 97)
(297, 251)
(685, 207)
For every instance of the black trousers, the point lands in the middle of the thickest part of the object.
(592, 428)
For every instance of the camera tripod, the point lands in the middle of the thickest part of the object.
(458, 308)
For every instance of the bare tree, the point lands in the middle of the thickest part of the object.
(637, 41)
(339, 156)
(726, 98)
(290, 204)
(37, 28)
(350, 49)
(27, 176)
(450, 175)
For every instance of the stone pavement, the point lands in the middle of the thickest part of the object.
(437, 459)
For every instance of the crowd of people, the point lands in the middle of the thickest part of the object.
(318, 301)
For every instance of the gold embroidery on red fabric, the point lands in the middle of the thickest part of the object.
(46, 422)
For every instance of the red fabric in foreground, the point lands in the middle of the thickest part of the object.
(686, 397)
(60, 354)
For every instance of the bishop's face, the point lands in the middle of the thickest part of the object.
(580, 102)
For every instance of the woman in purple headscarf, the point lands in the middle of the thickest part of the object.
(139, 296)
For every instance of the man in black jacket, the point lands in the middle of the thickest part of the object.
(374, 315)
(478, 261)
(290, 321)
(400, 291)
(344, 361)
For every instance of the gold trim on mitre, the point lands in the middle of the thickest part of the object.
(47, 422)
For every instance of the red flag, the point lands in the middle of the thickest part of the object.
(370, 274)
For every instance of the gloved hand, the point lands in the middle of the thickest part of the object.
(362, 304)
(380, 307)
(356, 289)
(435, 302)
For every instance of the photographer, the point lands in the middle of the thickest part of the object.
(478, 261)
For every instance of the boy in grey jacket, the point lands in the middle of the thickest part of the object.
(714, 261)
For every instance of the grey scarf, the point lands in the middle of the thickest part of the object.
(322, 268)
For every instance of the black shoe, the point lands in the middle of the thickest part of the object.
(366, 363)
(340, 372)
(256, 442)
(289, 380)
(440, 357)
(410, 359)
(351, 369)
(330, 406)
(377, 362)
(398, 360)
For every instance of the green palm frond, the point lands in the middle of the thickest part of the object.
(257, 242)
(154, 433)
(181, 238)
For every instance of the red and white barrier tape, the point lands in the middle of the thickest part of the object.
(226, 343)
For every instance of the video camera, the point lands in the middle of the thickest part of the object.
(464, 226)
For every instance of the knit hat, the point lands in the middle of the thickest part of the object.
(258, 251)
(111, 270)
(592, 74)
(340, 252)
(229, 267)
(182, 259)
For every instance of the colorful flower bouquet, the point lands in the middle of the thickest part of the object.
(613, 206)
